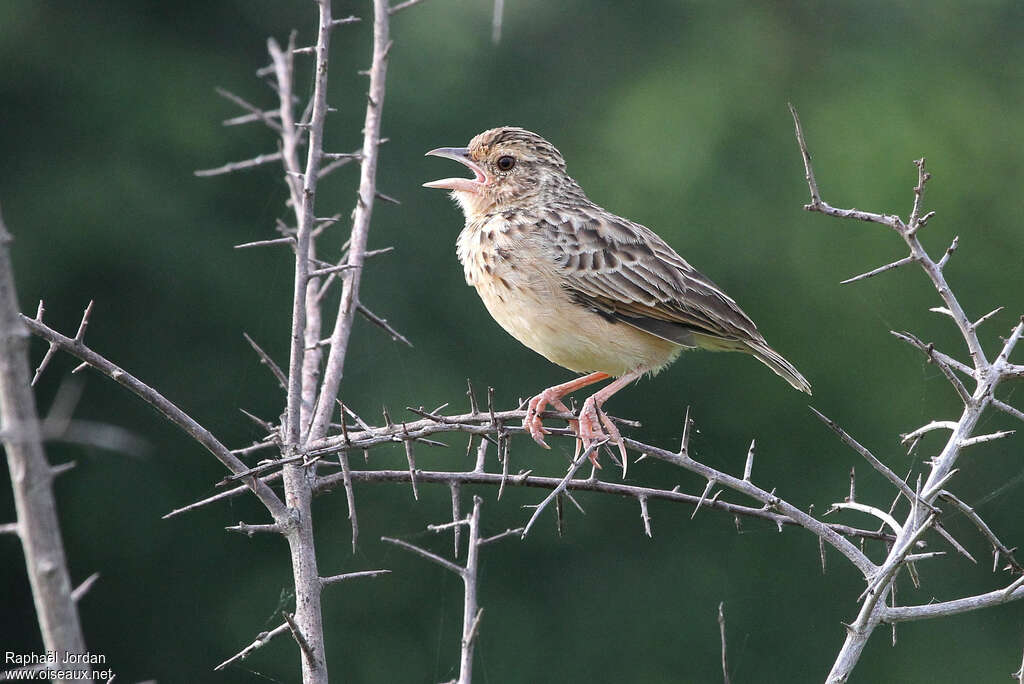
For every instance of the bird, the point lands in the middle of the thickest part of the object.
(598, 294)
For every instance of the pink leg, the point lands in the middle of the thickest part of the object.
(595, 425)
(553, 396)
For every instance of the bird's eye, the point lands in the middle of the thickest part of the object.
(506, 163)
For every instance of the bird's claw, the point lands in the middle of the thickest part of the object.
(594, 427)
(532, 422)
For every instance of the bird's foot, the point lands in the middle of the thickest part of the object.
(595, 426)
(553, 396)
(532, 422)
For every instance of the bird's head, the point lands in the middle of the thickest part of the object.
(512, 167)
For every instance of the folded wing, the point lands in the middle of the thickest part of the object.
(625, 272)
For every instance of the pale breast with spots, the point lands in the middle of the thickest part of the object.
(513, 270)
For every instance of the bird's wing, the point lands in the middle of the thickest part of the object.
(624, 271)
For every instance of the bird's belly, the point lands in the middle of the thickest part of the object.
(543, 317)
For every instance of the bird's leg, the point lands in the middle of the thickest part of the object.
(595, 425)
(553, 395)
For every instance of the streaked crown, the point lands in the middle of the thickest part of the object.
(531, 147)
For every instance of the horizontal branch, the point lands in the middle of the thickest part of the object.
(990, 437)
(250, 530)
(265, 117)
(942, 609)
(870, 510)
(334, 579)
(331, 482)
(327, 270)
(478, 423)
(340, 159)
(250, 118)
(231, 167)
(267, 243)
(934, 425)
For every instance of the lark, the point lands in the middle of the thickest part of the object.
(588, 290)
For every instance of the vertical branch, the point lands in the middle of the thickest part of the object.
(350, 495)
(360, 224)
(284, 71)
(303, 187)
(310, 371)
(454, 486)
(313, 353)
(301, 387)
(470, 609)
(31, 477)
(296, 476)
(721, 629)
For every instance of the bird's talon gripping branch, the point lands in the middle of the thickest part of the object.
(596, 426)
(532, 422)
(553, 396)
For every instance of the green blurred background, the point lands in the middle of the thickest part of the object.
(671, 113)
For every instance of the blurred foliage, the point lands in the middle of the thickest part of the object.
(671, 113)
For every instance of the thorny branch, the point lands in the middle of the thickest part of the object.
(471, 612)
(488, 425)
(170, 411)
(360, 224)
(310, 399)
(37, 526)
(264, 638)
(986, 376)
(292, 517)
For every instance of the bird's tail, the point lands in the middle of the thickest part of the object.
(771, 358)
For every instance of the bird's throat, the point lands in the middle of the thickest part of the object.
(473, 204)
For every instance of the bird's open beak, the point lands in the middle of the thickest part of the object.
(461, 155)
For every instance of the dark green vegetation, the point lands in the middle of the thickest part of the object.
(673, 115)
